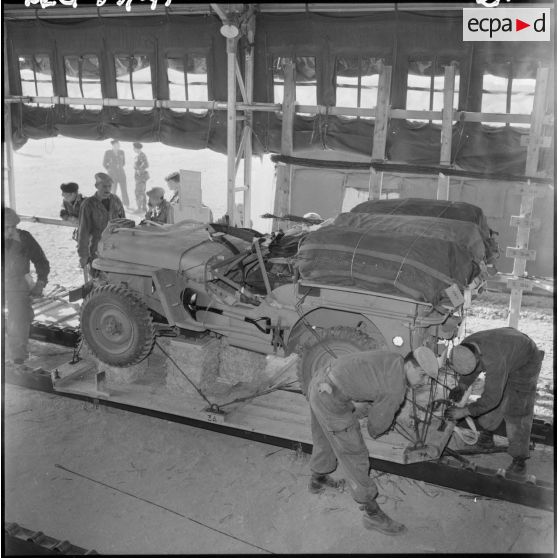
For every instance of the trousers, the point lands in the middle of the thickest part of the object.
(20, 316)
(119, 177)
(331, 446)
(140, 193)
(516, 408)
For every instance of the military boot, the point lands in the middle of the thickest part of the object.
(517, 468)
(485, 440)
(318, 483)
(375, 519)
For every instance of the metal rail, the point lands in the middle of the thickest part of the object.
(481, 481)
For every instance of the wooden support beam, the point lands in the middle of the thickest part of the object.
(249, 82)
(284, 172)
(8, 146)
(521, 252)
(446, 133)
(231, 127)
(240, 81)
(380, 131)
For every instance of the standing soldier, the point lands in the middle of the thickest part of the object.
(94, 216)
(141, 176)
(20, 248)
(114, 161)
(512, 363)
(71, 204)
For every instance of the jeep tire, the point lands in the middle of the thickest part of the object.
(117, 326)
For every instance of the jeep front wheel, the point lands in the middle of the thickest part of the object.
(337, 340)
(117, 326)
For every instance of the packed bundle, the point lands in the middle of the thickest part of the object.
(415, 257)
(458, 211)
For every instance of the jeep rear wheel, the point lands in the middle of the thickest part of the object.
(339, 340)
(117, 326)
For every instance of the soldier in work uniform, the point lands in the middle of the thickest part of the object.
(159, 209)
(20, 248)
(71, 202)
(380, 378)
(141, 175)
(94, 216)
(114, 161)
(512, 363)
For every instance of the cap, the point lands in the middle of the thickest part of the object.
(427, 360)
(103, 177)
(10, 216)
(157, 191)
(112, 142)
(138, 145)
(69, 187)
(312, 216)
(173, 176)
(463, 360)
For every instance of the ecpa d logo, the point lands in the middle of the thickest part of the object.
(506, 24)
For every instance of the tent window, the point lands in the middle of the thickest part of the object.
(425, 85)
(133, 77)
(35, 74)
(305, 80)
(504, 93)
(356, 81)
(187, 77)
(83, 78)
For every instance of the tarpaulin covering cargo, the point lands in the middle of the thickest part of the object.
(459, 211)
(417, 261)
(185, 247)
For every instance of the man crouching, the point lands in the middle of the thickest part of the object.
(379, 378)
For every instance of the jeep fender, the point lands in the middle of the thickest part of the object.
(325, 318)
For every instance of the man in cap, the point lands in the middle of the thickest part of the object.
(159, 210)
(173, 184)
(512, 362)
(94, 216)
(71, 202)
(20, 248)
(140, 175)
(114, 161)
(380, 378)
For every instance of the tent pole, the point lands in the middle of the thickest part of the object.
(446, 133)
(8, 146)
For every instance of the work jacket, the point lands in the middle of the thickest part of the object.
(17, 257)
(375, 376)
(93, 220)
(505, 356)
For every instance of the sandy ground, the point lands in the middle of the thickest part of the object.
(128, 484)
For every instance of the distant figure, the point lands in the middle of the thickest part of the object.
(20, 248)
(94, 216)
(71, 203)
(141, 176)
(159, 210)
(173, 184)
(114, 162)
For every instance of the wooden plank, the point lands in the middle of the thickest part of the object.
(524, 221)
(284, 172)
(522, 284)
(525, 141)
(380, 131)
(442, 192)
(521, 254)
(536, 190)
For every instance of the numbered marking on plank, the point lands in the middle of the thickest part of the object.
(216, 417)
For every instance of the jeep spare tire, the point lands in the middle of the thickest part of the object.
(339, 340)
(117, 326)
